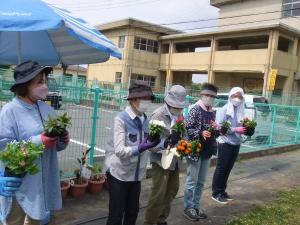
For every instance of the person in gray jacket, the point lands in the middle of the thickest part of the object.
(126, 156)
(165, 181)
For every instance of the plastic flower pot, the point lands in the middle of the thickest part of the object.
(9, 173)
(249, 131)
(64, 187)
(95, 186)
(78, 190)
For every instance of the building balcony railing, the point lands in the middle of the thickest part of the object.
(253, 60)
(189, 61)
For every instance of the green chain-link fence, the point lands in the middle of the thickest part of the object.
(93, 111)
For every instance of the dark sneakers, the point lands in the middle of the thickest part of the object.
(201, 215)
(227, 196)
(191, 214)
(220, 199)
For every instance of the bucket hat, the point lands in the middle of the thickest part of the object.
(140, 89)
(176, 97)
(27, 71)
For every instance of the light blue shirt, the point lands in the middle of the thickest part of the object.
(39, 193)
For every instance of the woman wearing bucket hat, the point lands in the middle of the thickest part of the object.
(23, 119)
(165, 179)
(229, 144)
(200, 117)
(126, 156)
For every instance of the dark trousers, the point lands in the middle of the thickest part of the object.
(123, 201)
(227, 155)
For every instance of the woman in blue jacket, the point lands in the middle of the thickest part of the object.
(23, 119)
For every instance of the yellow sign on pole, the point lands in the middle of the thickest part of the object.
(272, 79)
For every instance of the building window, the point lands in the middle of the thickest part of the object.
(149, 79)
(145, 44)
(118, 77)
(283, 44)
(290, 8)
(121, 42)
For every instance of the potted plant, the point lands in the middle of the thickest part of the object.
(213, 129)
(19, 158)
(79, 183)
(96, 181)
(179, 126)
(225, 126)
(249, 125)
(64, 185)
(185, 148)
(57, 127)
(156, 128)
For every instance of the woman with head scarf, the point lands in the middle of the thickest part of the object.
(228, 144)
(23, 119)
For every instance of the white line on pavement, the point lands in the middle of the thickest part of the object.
(86, 145)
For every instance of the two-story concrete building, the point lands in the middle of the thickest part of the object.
(252, 37)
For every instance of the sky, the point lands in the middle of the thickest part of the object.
(165, 12)
(176, 14)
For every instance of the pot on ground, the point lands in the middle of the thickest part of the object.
(78, 190)
(64, 188)
(96, 186)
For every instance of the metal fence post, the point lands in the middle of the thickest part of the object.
(94, 123)
(273, 125)
(297, 127)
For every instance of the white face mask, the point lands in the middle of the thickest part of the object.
(236, 101)
(176, 112)
(144, 105)
(208, 101)
(40, 92)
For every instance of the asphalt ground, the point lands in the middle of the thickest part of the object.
(252, 182)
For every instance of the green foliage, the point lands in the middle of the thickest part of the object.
(19, 157)
(96, 172)
(285, 210)
(179, 126)
(156, 128)
(249, 123)
(56, 127)
(195, 147)
(225, 126)
(78, 172)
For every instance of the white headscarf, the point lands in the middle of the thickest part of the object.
(240, 109)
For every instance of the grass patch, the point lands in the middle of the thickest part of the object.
(283, 211)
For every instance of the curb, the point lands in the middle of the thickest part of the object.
(246, 155)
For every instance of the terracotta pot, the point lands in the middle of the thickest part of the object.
(64, 188)
(78, 190)
(95, 186)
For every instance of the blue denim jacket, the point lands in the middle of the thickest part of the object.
(39, 193)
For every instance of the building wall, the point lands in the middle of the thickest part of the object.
(251, 82)
(253, 13)
(133, 60)
(58, 71)
(106, 71)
